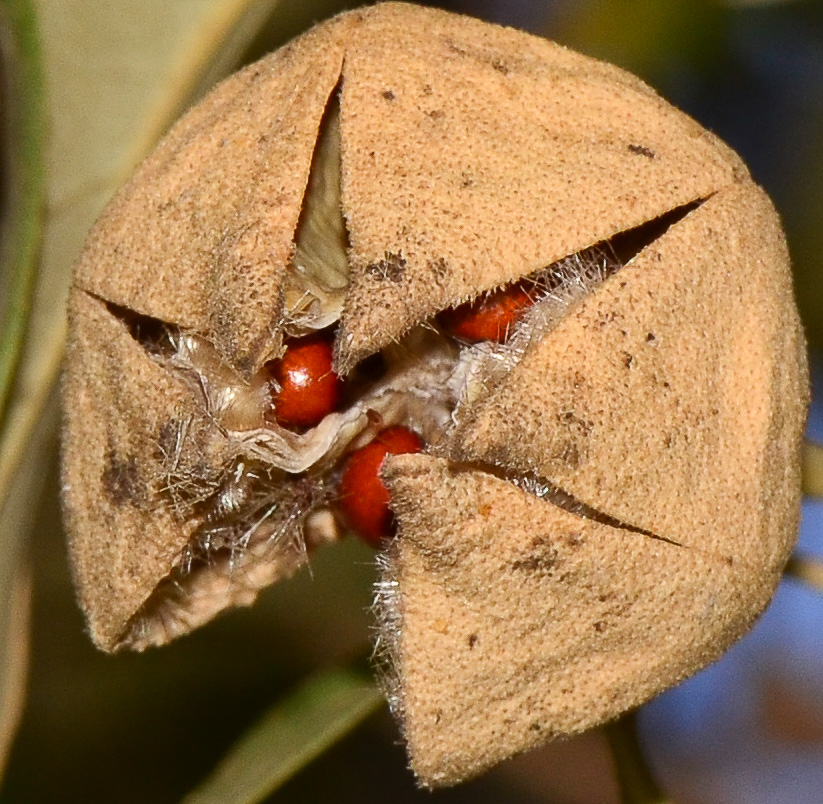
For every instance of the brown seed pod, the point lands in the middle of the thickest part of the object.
(607, 494)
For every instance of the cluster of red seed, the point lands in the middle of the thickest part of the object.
(490, 317)
(309, 390)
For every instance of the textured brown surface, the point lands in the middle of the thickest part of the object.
(671, 399)
(522, 622)
(119, 437)
(513, 152)
(478, 154)
(201, 234)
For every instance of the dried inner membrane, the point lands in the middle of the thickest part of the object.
(318, 274)
(276, 499)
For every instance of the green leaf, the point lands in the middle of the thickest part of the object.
(812, 463)
(17, 519)
(316, 715)
(651, 38)
(23, 201)
(23, 155)
(14, 649)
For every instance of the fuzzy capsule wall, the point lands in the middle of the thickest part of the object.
(606, 495)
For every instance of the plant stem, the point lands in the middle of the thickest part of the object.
(805, 569)
(812, 463)
(634, 777)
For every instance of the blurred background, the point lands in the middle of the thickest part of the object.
(147, 728)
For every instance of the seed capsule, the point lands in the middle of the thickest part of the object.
(361, 496)
(610, 488)
(308, 389)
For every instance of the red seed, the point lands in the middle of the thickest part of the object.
(309, 389)
(490, 317)
(362, 498)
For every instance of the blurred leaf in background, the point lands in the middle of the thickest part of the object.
(311, 720)
(22, 197)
